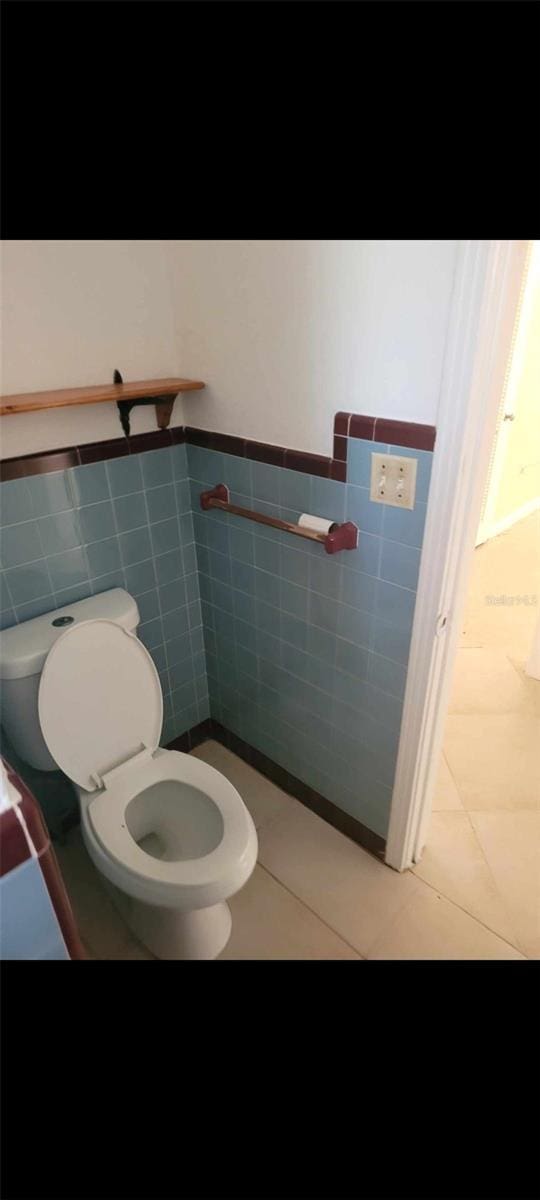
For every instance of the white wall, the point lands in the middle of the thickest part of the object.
(286, 333)
(72, 311)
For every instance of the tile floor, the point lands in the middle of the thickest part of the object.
(316, 895)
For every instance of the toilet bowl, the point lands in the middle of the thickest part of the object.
(170, 835)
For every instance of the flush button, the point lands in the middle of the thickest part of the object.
(64, 621)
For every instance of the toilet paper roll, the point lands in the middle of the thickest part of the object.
(317, 524)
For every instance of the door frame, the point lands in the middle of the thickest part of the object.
(487, 287)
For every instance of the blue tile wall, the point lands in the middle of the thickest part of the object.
(307, 653)
(121, 523)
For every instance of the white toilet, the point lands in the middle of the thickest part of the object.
(171, 836)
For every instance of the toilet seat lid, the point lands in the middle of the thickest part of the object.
(100, 700)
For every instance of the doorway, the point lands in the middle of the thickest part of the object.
(482, 848)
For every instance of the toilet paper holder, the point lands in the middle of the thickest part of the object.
(338, 537)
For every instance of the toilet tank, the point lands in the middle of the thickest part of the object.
(23, 650)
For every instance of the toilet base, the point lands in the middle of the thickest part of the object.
(200, 934)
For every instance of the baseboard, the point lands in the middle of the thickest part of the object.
(313, 800)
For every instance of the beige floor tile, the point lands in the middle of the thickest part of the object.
(100, 925)
(263, 799)
(453, 863)
(485, 681)
(348, 888)
(431, 927)
(270, 923)
(446, 796)
(495, 759)
(532, 685)
(511, 844)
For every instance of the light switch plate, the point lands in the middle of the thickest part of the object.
(393, 480)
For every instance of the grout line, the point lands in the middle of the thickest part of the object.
(438, 891)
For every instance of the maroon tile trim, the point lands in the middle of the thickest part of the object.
(399, 433)
(310, 464)
(295, 787)
(362, 427)
(341, 423)
(405, 433)
(93, 452)
(39, 464)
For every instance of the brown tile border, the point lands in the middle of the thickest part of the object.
(346, 425)
(324, 808)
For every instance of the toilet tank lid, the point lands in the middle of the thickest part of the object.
(24, 647)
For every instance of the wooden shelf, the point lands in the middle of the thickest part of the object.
(68, 397)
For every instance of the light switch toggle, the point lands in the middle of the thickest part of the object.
(393, 480)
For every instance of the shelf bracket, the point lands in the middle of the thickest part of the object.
(163, 406)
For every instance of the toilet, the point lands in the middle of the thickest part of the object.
(170, 835)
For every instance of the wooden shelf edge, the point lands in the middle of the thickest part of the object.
(110, 393)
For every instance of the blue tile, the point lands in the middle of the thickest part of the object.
(217, 537)
(151, 633)
(294, 599)
(220, 566)
(205, 584)
(423, 471)
(192, 587)
(390, 641)
(294, 631)
(267, 618)
(159, 657)
(325, 576)
(165, 536)
(70, 595)
(60, 532)
(354, 625)
(265, 482)
(366, 555)
(135, 546)
(247, 661)
(161, 503)
(352, 658)
(404, 524)
(183, 496)
(387, 675)
(97, 521)
(358, 590)
(242, 545)
(328, 499)
(169, 567)
(244, 606)
(365, 513)
(267, 555)
(89, 484)
(323, 612)
(125, 475)
(222, 595)
(130, 512)
(185, 524)
(295, 491)
(190, 558)
(267, 587)
(194, 612)
(205, 466)
(237, 474)
(395, 604)
(178, 651)
(104, 583)
(321, 644)
(103, 557)
(197, 641)
(68, 569)
(294, 566)
(157, 467)
(16, 502)
(184, 695)
(172, 595)
(359, 460)
(20, 544)
(141, 578)
(179, 461)
(8, 618)
(36, 608)
(400, 564)
(148, 605)
(51, 493)
(5, 598)
(175, 623)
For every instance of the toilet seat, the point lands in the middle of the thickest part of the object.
(196, 881)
